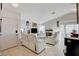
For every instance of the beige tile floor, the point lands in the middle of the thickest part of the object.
(50, 50)
(18, 51)
(22, 51)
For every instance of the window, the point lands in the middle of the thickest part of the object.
(71, 27)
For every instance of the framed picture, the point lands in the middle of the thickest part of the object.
(34, 24)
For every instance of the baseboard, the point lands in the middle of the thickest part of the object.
(41, 51)
(29, 49)
(34, 51)
(51, 44)
(8, 48)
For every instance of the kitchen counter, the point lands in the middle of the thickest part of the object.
(73, 38)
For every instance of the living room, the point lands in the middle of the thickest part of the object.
(36, 29)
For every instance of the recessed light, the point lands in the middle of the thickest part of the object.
(15, 5)
(53, 12)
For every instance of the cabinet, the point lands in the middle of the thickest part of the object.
(29, 41)
(72, 47)
(34, 43)
(40, 44)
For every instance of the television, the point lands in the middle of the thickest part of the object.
(34, 30)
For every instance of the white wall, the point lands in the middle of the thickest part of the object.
(65, 19)
(10, 23)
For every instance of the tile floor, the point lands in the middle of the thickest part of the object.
(22, 51)
(50, 50)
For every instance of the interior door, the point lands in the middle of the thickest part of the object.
(8, 27)
(8, 36)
